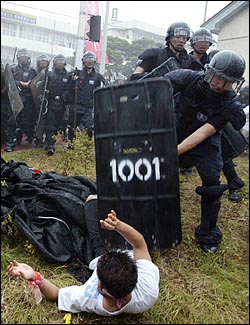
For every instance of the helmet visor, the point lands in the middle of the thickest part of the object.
(220, 82)
(181, 31)
(202, 38)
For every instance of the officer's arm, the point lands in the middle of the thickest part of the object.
(139, 70)
(196, 138)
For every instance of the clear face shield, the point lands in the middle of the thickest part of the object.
(23, 59)
(181, 31)
(60, 63)
(43, 63)
(219, 82)
(202, 38)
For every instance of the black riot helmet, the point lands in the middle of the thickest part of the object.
(23, 57)
(228, 66)
(89, 56)
(211, 54)
(42, 57)
(178, 29)
(23, 53)
(202, 35)
(59, 58)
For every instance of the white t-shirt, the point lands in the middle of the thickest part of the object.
(245, 129)
(86, 298)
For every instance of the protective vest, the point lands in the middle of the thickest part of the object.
(86, 84)
(23, 74)
(58, 83)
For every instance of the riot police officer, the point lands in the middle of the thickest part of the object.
(42, 62)
(81, 113)
(201, 40)
(207, 102)
(58, 99)
(177, 36)
(23, 74)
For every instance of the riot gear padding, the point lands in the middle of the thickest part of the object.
(42, 57)
(202, 35)
(59, 59)
(178, 29)
(23, 52)
(89, 56)
(211, 192)
(228, 66)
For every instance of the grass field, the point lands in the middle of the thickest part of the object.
(195, 288)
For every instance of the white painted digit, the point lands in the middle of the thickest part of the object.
(146, 163)
(113, 166)
(156, 162)
(130, 165)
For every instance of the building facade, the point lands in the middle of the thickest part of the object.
(41, 35)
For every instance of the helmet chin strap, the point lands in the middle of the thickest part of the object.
(175, 49)
(200, 51)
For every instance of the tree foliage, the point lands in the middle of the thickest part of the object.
(123, 55)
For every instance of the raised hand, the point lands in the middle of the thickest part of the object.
(110, 223)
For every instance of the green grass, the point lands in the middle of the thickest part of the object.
(195, 288)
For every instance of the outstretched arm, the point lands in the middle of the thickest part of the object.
(26, 272)
(129, 233)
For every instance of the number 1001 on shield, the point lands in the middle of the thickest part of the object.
(133, 169)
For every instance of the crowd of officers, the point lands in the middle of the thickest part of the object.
(68, 98)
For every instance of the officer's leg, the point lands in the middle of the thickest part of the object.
(88, 121)
(234, 182)
(208, 161)
(92, 222)
(50, 130)
(10, 132)
(28, 118)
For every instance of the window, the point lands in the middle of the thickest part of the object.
(9, 29)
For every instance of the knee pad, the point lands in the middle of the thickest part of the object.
(211, 192)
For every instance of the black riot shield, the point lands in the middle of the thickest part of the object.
(13, 93)
(137, 160)
(38, 90)
(233, 142)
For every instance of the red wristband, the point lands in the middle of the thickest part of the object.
(38, 280)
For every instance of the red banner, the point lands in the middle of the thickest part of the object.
(96, 47)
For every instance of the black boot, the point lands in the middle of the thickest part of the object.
(51, 150)
(234, 196)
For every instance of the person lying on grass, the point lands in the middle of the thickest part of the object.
(119, 283)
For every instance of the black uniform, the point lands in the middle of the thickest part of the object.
(152, 58)
(27, 117)
(58, 99)
(85, 86)
(193, 109)
(204, 59)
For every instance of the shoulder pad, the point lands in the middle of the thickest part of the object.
(149, 53)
